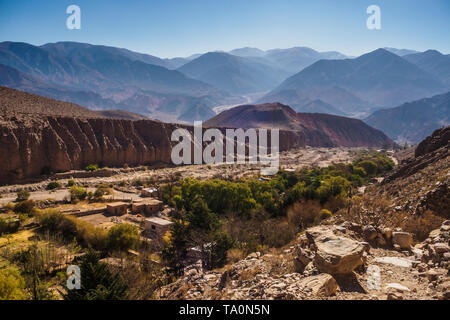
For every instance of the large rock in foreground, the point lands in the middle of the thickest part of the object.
(335, 254)
(320, 285)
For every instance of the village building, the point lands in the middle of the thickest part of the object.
(147, 207)
(149, 192)
(155, 226)
(117, 208)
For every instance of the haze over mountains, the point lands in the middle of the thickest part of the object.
(185, 89)
(413, 121)
(376, 79)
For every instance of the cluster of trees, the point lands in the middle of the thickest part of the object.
(120, 238)
(208, 209)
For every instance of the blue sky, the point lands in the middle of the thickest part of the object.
(169, 28)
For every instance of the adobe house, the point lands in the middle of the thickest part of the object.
(149, 192)
(147, 207)
(117, 208)
(157, 226)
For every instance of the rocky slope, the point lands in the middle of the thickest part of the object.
(339, 262)
(318, 129)
(422, 182)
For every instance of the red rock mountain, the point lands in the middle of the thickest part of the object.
(318, 129)
(38, 133)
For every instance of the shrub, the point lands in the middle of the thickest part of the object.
(53, 185)
(92, 167)
(26, 206)
(71, 183)
(70, 227)
(421, 225)
(101, 191)
(304, 214)
(98, 282)
(22, 195)
(325, 214)
(8, 225)
(123, 237)
(359, 171)
(333, 187)
(12, 284)
(77, 193)
(369, 166)
(51, 220)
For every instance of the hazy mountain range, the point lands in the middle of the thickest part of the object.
(379, 79)
(413, 121)
(188, 88)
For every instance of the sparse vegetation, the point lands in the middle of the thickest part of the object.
(77, 193)
(22, 195)
(53, 185)
(92, 167)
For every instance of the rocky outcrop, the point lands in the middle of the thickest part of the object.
(319, 130)
(377, 273)
(429, 151)
(439, 139)
(29, 147)
(335, 254)
(421, 183)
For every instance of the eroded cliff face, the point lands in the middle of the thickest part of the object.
(32, 145)
(29, 146)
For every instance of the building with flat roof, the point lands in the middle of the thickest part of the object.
(155, 226)
(117, 208)
(147, 207)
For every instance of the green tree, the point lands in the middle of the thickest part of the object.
(97, 281)
(12, 284)
(77, 193)
(369, 166)
(123, 237)
(25, 206)
(22, 195)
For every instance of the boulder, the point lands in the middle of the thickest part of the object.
(321, 285)
(337, 255)
(369, 233)
(441, 248)
(435, 233)
(387, 233)
(403, 239)
(434, 274)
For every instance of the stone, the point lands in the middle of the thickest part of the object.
(253, 255)
(435, 233)
(434, 274)
(337, 255)
(403, 239)
(381, 242)
(302, 260)
(394, 296)
(321, 285)
(395, 261)
(441, 248)
(369, 233)
(373, 277)
(387, 233)
(398, 287)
